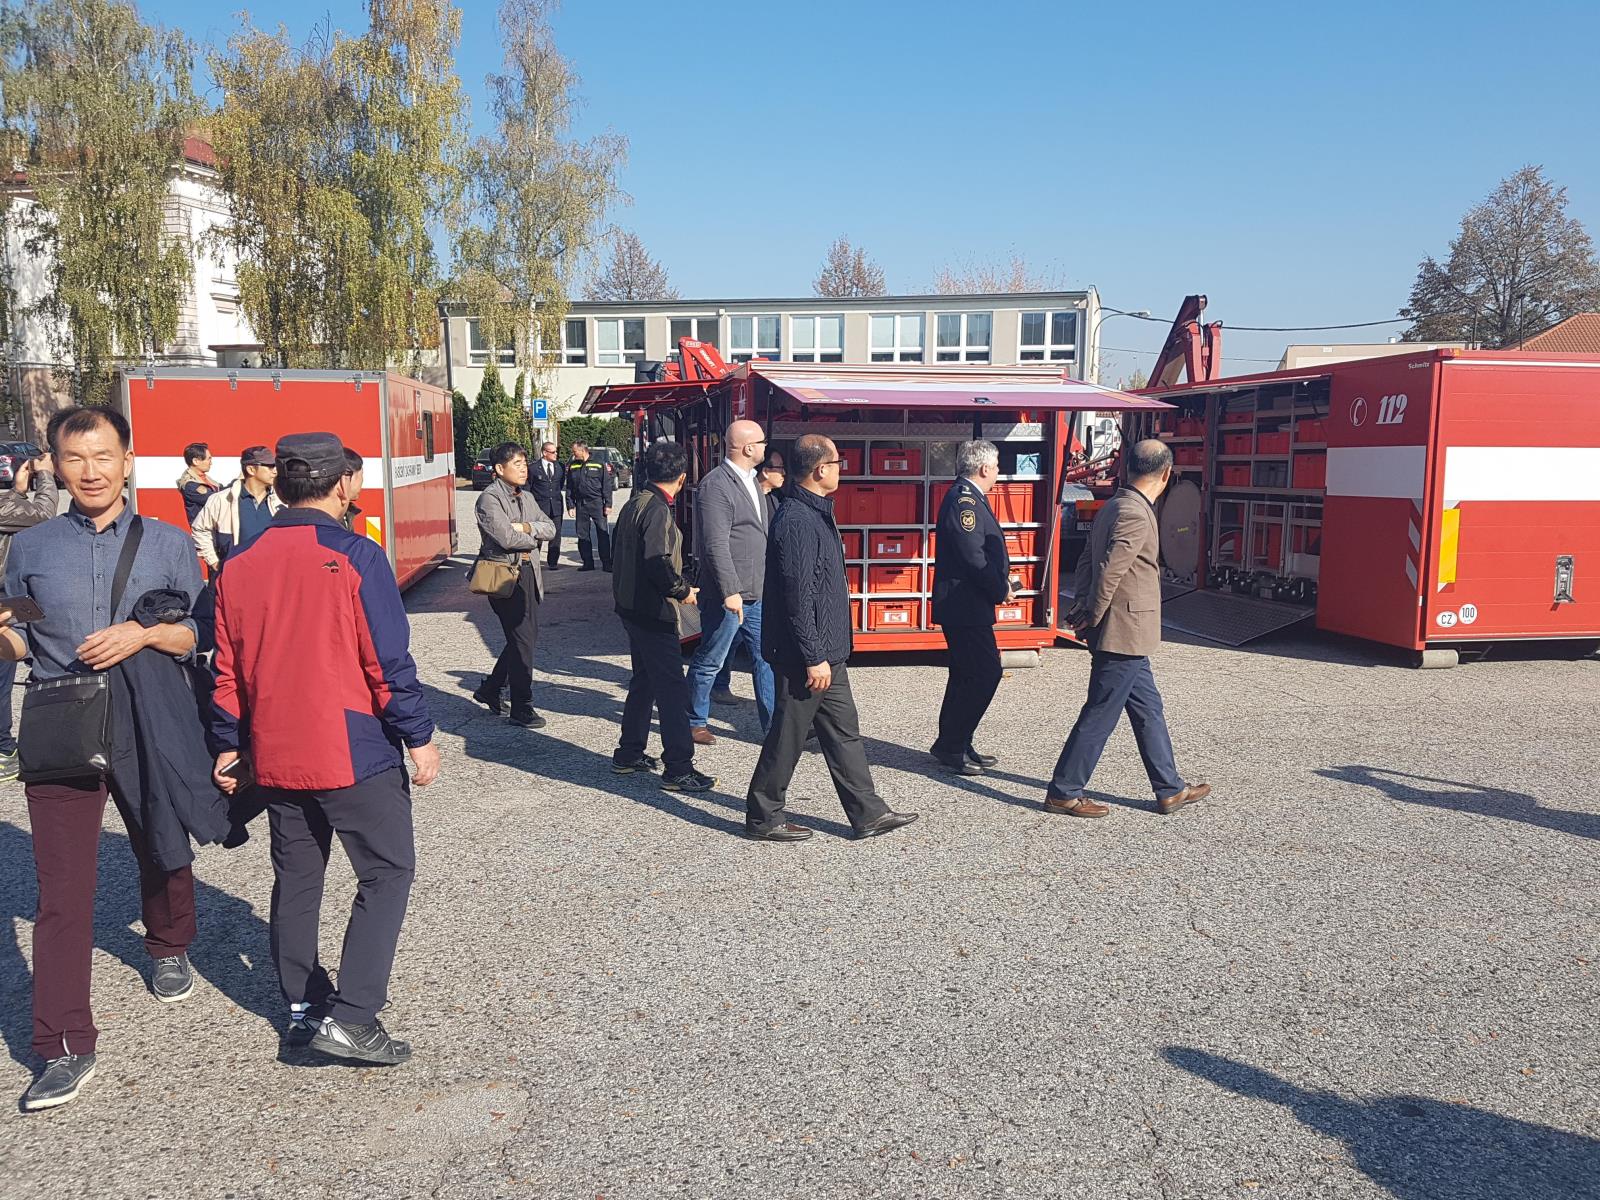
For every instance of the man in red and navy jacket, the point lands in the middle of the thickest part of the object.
(316, 687)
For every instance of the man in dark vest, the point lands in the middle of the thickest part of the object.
(589, 484)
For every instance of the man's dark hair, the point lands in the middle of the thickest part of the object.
(665, 461)
(296, 487)
(1147, 459)
(71, 422)
(810, 451)
(580, 445)
(195, 451)
(505, 452)
(353, 462)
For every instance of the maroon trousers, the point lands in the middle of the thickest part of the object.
(66, 816)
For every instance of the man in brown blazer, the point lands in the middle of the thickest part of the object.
(1117, 610)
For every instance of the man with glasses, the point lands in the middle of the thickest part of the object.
(807, 639)
(730, 538)
(547, 480)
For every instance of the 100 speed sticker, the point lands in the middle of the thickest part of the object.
(1449, 618)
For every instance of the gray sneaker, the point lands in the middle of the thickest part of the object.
(365, 1043)
(10, 768)
(173, 979)
(60, 1082)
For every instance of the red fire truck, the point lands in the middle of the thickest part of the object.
(897, 429)
(1423, 501)
(400, 426)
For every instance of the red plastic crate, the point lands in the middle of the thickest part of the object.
(1236, 475)
(1189, 456)
(897, 462)
(1024, 577)
(894, 577)
(1235, 443)
(852, 576)
(1191, 426)
(1314, 429)
(898, 543)
(1310, 470)
(1020, 543)
(875, 504)
(1018, 612)
(849, 460)
(852, 543)
(890, 615)
(1012, 502)
(1273, 443)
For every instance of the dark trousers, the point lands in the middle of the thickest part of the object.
(519, 621)
(373, 821)
(658, 682)
(1118, 683)
(833, 714)
(8, 680)
(553, 551)
(65, 816)
(970, 686)
(592, 525)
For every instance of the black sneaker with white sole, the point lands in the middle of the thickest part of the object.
(644, 762)
(173, 979)
(60, 1082)
(362, 1043)
(690, 781)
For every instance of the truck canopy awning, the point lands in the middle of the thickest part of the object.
(619, 397)
(976, 392)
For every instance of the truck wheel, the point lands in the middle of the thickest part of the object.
(1011, 660)
(1435, 660)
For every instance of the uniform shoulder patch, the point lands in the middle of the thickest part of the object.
(969, 520)
(966, 498)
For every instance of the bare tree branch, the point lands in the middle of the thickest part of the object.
(848, 271)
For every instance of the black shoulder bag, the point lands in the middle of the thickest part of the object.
(66, 723)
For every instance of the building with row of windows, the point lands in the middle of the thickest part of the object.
(604, 341)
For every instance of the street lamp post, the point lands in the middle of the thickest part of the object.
(1104, 314)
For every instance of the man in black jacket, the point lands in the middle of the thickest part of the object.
(807, 639)
(648, 586)
(547, 480)
(971, 574)
(589, 484)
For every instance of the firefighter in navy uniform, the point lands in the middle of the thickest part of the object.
(589, 485)
(971, 574)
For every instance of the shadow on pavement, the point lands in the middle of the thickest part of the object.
(231, 951)
(1468, 798)
(1419, 1148)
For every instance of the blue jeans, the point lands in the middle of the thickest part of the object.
(8, 677)
(1118, 683)
(719, 632)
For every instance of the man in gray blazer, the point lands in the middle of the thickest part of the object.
(730, 545)
(1117, 610)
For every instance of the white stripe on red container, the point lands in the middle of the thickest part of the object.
(160, 471)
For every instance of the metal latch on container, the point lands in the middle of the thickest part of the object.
(357, 381)
(150, 378)
(233, 381)
(1564, 579)
(277, 381)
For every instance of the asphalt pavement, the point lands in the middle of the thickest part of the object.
(1364, 968)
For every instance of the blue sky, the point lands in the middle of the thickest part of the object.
(1294, 162)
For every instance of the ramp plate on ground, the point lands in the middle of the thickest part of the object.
(1229, 619)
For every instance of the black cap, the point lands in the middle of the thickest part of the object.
(312, 455)
(257, 456)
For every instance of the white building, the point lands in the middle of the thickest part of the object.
(604, 341)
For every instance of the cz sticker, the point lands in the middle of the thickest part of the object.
(1447, 619)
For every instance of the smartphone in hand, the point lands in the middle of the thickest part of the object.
(21, 609)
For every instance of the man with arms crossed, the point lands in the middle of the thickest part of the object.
(1117, 610)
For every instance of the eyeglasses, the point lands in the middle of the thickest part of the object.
(747, 445)
(830, 462)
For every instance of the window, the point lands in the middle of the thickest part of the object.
(753, 337)
(701, 329)
(897, 338)
(619, 340)
(964, 337)
(1049, 335)
(575, 341)
(478, 349)
(427, 435)
(817, 339)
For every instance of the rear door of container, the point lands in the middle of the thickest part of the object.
(1516, 546)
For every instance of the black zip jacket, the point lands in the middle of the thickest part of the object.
(589, 482)
(805, 620)
(647, 561)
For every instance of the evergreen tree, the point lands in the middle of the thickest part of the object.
(496, 417)
(461, 421)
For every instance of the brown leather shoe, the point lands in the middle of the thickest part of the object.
(701, 736)
(1195, 791)
(1078, 806)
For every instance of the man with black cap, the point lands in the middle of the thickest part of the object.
(239, 511)
(323, 734)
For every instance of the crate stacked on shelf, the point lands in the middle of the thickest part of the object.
(893, 479)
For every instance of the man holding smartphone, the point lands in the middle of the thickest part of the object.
(32, 500)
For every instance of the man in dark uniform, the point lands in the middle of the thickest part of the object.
(589, 485)
(547, 480)
(971, 574)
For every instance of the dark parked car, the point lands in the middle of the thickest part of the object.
(482, 472)
(621, 468)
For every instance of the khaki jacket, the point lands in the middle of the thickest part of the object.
(499, 508)
(1118, 580)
